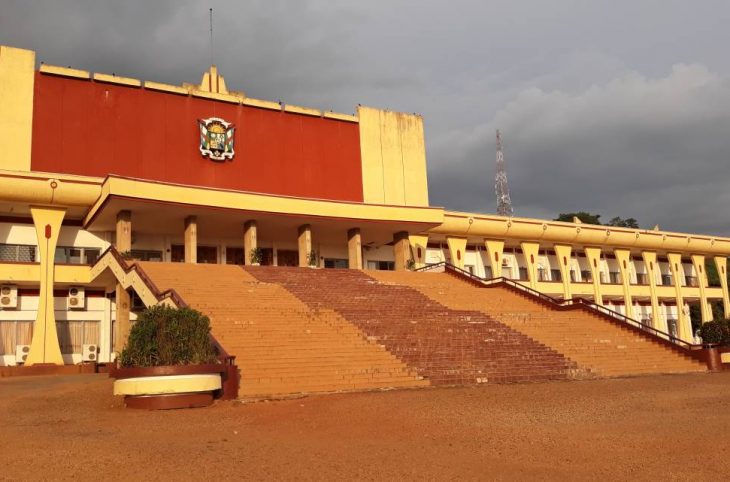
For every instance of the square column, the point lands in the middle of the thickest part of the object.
(305, 244)
(457, 250)
(721, 265)
(698, 261)
(250, 240)
(530, 252)
(122, 300)
(191, 239)
(401, 250)
(354, 248)
(495, 249)
(657, 321)
(593, 256)
(684, 328)
(623, 258)
(562, 252)
(419, 244)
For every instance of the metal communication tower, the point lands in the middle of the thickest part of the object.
(504, 204)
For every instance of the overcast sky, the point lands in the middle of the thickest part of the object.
(618, 107)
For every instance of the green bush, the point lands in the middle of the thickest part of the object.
(169, 336)
(715, 332)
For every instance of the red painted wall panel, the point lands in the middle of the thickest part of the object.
(95, 129)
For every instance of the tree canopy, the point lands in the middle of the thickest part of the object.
(589, 218)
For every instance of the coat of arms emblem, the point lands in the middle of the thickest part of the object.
(216, 138)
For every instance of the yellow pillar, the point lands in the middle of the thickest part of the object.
(698, 261)
(562, 252)
(623, 258)
(401, 250)
(419, 244)
(721, 265)
(44, 347)
(17, 71)
(593, 257)
(684, 328)
(250, 240)
(354, 248)
(304, 241)
(191, 239)
(650, 264)
(122, 299)
(530, 252)
(457, 250)
(495, 250)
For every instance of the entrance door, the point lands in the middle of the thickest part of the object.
(287, 257)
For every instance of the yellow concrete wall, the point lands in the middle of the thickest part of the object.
(17, 70)
(393, 157)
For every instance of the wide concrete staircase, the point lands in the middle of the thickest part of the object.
(282, 346)
(446, 345)
(599, 345)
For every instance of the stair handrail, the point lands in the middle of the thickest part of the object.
(588, 304)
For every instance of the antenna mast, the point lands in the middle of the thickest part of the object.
(504, 204)
(211, 36)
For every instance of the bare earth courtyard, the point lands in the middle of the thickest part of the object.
(660, 427)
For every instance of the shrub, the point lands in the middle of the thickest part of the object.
(169, 336)
(257, 255)
(714, 332)
(312, 258)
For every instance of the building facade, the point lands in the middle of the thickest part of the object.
(201, 174)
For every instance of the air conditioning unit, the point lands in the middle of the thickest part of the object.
(89, 352)
(21, 353)
(8, 297)
(76, 298)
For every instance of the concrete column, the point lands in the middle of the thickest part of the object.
(191, 239)
(122, 299)
(419, 244)
(562, 252)
(305, 244)
(401, 250)
(495, 250)
(250, 240)
(44, 347)
(657, 321)
(721, 265)
(530, 252)
(684, 328)
(354, 248)
(457, 250)
(623, 259)
(593, 256)
(698, 261)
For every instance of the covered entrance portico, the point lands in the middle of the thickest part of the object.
(178, 223)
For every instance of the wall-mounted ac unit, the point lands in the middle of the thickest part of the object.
(21, 353)
(8, 297)
(76, 298)
(89, 352)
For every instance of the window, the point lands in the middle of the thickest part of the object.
(73, 334)
(642, 279)
(523, 274)
(235, 256)
(666, 280)
(13, 333)
(74, 255)
(614, 277)
(541, 274)
(469, 268)
(146, 255)
(573, 276)
(381, 265)
(586, 276)
(488, 272)
(336, 263)
(205, 254)
(555, 275)
(18, 253)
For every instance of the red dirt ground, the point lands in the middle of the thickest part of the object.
(662, 427)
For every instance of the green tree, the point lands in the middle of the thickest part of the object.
(585, 217)
(623, 223)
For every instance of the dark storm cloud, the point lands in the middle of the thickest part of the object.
(615, 107)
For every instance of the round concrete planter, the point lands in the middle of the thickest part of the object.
(167, 387)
